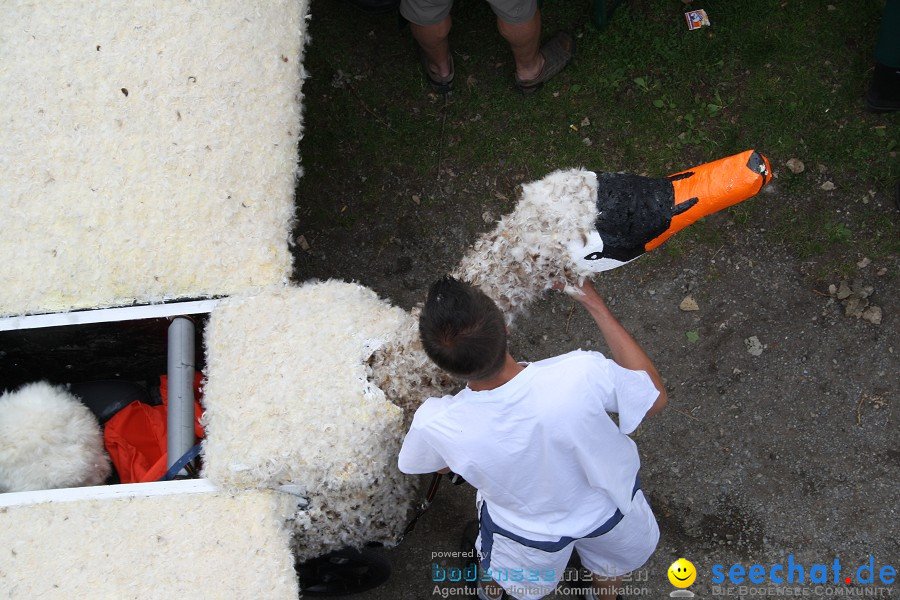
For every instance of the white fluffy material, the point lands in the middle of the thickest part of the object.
(405, 373)
(211, 545)
(289, 401)
(523, 256)
(184, 187)
(49, 439)
(528, 251)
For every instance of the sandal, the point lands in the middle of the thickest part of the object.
(557, 55)
(440, 85)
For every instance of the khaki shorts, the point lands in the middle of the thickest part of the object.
(432, 12)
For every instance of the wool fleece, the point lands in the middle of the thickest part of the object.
(204, 545)
(148, 150)
(290, 400)
(49, 439)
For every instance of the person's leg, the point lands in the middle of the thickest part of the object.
(429, 22)
(623, 549)
(519, 22)
(435, 44)
(604, 588)
(883, 94)
(525, 41)
(503, 563)
(887, 50)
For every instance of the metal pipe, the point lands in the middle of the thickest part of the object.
(180, 416)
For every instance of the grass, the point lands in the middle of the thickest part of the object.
(644, 96)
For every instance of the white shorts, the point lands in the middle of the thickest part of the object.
(528, 573)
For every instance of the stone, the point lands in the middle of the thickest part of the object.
(872, 314)
(843, 291)
(854, 306)
(795, 165)
(689, 304)
(754, 346)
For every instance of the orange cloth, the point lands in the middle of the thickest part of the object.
(198, 394)
(135, 437)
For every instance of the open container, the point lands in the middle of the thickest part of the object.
(148, 159)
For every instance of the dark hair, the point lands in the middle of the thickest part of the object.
(463, 331)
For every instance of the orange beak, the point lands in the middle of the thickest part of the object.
(715, 185)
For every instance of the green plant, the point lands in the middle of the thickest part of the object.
(657, 97)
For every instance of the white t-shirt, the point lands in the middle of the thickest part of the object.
(541, 449)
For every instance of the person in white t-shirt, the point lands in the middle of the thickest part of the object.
(554, 472)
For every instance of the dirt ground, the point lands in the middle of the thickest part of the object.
(788, 447)
(781, 434)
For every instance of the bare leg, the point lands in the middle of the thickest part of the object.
(434, 42)
(525, 41)
(605, 589)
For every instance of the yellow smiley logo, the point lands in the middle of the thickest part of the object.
(682, 573)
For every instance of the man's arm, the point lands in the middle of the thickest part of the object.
(624, 348)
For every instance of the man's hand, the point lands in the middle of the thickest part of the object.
(585, 293)
(624, 349)
(588, 294)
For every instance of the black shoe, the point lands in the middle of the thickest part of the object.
(884, 89)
